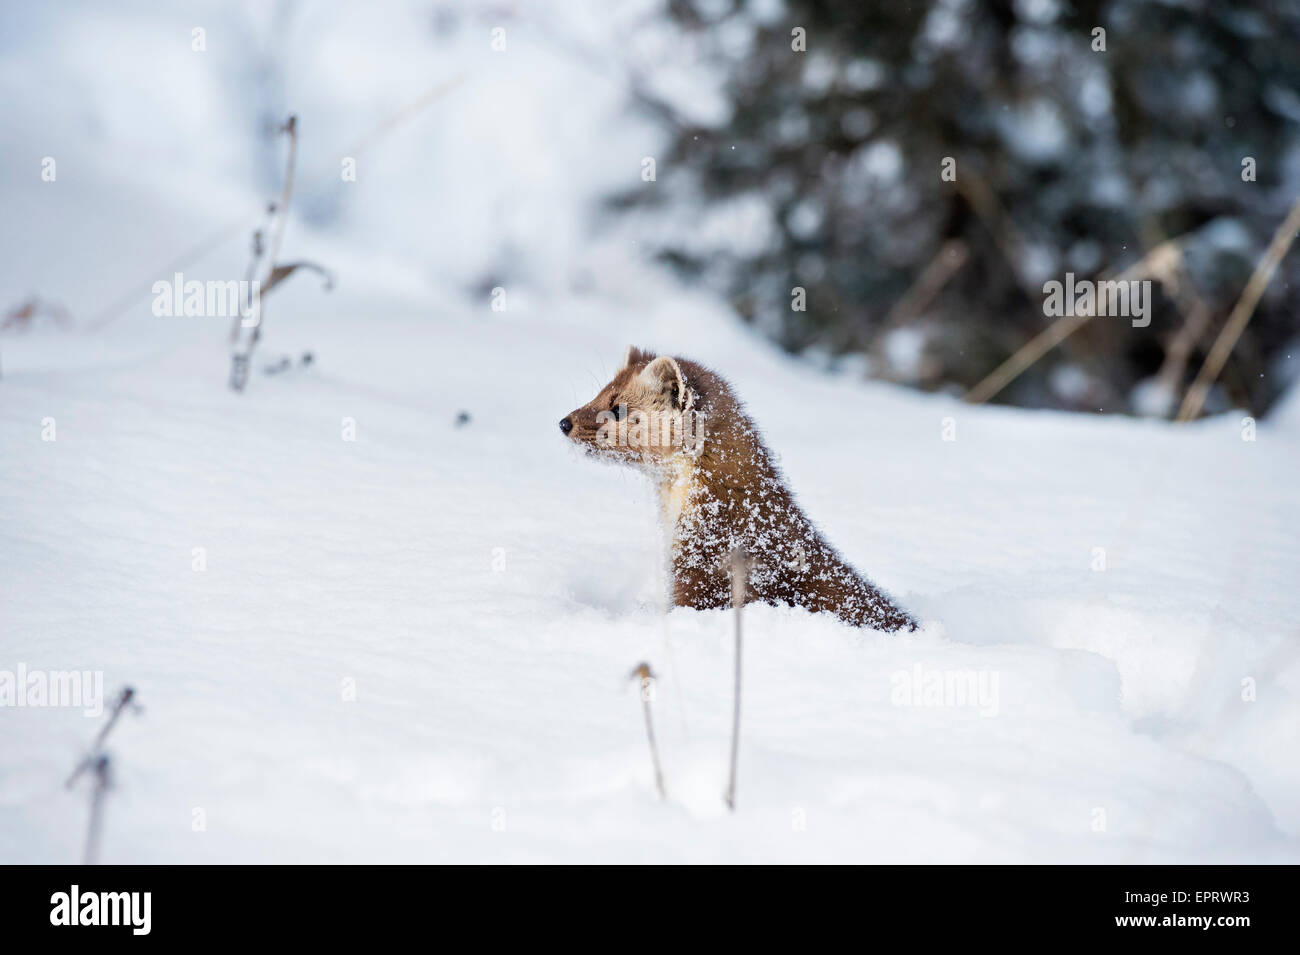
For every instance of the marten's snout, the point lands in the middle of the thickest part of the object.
(566, 425)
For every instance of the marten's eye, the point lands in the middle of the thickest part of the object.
(616, 409)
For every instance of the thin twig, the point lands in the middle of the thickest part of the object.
(198, 251)
(1240, 316)
(220, 237)
(990, 211)
(952, 255)
(1179, 351)
(269, 254)
(739, 585)
(1160, 263)
(1024, 356)
(282, 209)
(125, 699)
(404, 115)
(250, 274)
(646, 676)
(103, 782)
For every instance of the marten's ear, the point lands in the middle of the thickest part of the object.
(635, 356)
(665, 376)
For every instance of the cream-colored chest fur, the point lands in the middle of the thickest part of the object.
(675, 492)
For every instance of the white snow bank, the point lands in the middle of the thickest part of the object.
(485, 589)
(488, 592)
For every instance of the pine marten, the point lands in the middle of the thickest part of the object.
(721, 491)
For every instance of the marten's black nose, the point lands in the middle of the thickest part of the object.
(566, 425)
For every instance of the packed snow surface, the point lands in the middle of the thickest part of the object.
(378, 609)
(486, 590)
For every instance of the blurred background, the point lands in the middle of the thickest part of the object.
(1082, 135)
(748, 148)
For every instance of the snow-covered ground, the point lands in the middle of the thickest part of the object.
(488, 591)
(414, 646)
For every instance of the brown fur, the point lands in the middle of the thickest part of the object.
(724, 493)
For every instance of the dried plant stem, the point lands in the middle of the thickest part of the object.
(1181, 346)
(97, 761)
(1240, 315)
(124, 700)
(984, 201)
(101, 767)
(250, 274)
(239, 362)
(947, 262)
(282, 209)
(643, 673)
(952, 255)
(405, 114)
(1160, 262)
(197, 252)
(223, 235)
(1025, 355)
(739, 581)
(654, 752)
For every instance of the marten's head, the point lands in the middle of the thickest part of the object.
(644, 415)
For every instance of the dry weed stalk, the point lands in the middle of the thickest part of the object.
(263, 272)
(125, 700)
(642, 673)
(100, 766)
(1161, 263)
(219, 237)
(103, 776)
(739, 585)
(1240, 315)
